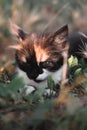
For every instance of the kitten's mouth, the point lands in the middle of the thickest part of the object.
(38, 81)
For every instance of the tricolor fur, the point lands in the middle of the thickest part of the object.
(40, 55)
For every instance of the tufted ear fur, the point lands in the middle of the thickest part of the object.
(17, 31)
(60, 36)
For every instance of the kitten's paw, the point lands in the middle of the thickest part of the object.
(29, 89)
(49, 93)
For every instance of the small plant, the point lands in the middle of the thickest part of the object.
(39, 111)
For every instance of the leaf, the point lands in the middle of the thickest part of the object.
(36, 96)
(15, 84)
(50, 83)
(72, 61)
(10, 91)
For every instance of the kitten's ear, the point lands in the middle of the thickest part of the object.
(60, 36)
(17, 31)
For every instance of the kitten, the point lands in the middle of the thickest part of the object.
(39, 55)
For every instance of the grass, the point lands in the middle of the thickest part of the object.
(66, 110)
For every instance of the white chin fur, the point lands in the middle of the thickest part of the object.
(44, 75)
(30, 82)
(56, 76)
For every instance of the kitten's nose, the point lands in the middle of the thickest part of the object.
(34, 74)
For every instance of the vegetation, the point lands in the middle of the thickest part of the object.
(68, 108)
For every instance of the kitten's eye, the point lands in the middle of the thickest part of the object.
(47, 64)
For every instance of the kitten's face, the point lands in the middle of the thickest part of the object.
(40, 55)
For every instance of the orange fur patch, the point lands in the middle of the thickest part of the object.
(41, 54)
(23, 58)
(16, 47)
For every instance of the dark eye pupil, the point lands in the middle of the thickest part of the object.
(47, 64)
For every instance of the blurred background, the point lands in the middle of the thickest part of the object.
(35, 15)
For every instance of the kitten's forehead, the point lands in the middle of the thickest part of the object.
(41, 53)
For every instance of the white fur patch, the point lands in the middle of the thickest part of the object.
(83, 34)
(29, 89)
(44, 75)
(56, 76)
(30, 82)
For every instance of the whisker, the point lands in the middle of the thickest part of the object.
(81, 48)
(81, 52)
(84, 45)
